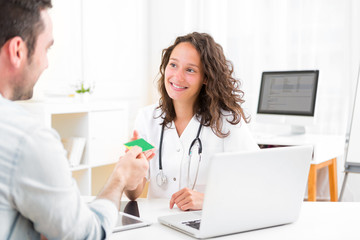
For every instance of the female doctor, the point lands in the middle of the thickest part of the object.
(199, 114)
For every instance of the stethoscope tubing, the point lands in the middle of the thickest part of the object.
(161, 178)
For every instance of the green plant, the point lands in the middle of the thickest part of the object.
(83, 89)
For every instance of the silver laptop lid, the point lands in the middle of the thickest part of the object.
(253, 190)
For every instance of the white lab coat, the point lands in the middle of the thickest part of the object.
(175, 149)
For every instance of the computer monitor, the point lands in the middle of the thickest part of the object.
(288, 97)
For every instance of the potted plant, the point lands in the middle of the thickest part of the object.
(83, 90)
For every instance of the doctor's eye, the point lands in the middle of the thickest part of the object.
(190, 70)
(172, 65)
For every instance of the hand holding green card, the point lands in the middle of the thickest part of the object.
(141, 143)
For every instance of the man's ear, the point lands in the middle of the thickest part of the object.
(17, 51)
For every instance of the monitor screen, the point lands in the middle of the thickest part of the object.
(288, 93)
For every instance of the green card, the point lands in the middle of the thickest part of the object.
(141, 143)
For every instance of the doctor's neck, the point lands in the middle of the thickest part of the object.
(184, 113)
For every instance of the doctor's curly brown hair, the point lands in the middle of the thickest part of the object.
(220, 96)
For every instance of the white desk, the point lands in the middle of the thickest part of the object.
(327, 148)
(318, 221)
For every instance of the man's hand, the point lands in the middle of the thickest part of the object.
(149, 154)
(187, 199)
(129, 172)
(132, 168)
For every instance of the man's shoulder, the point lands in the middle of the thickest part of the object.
(16, 119)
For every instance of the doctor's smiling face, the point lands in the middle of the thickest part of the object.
(194, 72)
(184, 74)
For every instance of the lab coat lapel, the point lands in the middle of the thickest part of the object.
(190, 132)
(186, 139)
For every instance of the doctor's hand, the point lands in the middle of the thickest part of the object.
(135, 135)
(187, 199)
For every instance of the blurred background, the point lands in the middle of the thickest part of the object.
(116, 45)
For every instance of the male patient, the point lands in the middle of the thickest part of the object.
(37, 194)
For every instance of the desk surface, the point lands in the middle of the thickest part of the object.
(318, 220)
(326, 147)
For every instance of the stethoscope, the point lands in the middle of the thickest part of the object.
(161, 178)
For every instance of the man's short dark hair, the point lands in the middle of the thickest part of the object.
(22, 18)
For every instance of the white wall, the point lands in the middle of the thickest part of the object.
(104, 43)
(352, 192)
(112, 46)
(117, 44)
(65, 57)
(277, 35)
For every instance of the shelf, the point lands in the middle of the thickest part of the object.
(104, 125)
(86, 166)
(74, 107)
(80, 167)
(103, 164)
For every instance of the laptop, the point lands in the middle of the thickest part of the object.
(248, 191)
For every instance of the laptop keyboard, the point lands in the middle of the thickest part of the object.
(194, 224)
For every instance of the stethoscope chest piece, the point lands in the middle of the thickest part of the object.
(161, 178)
